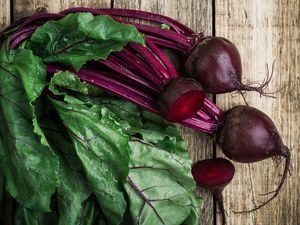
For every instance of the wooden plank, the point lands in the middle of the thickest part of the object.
(264, 31)
(197, 15)
(28, 7)
(4, 14)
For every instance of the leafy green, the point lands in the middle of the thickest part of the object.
(67, 80)
(24, 216)
(148, 126)
(161, 149)
(165, 26)
(91, 214)
(1, 195)
(91, 157)
(103, 150)
(29, 165)
(73, 188)
(81, 37)
(159, 184)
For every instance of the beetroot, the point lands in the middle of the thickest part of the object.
(181, 98)
(249, 135)
(216, 63)
(214, 175)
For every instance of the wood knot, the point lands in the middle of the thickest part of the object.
(41, 9)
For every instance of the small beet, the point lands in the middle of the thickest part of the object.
(180, 99)
(214, 175)
(216, 63)
(249, 135)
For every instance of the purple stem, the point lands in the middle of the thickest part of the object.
(152, 61)
(163, 58)
(10, 27)
(202, 114)
(181, 40)
(185, 41)
(213, 110)
(21, 35)
(104, 80)
(178, 27)
(127, 76)
(165, 43)
(139, 65)
(209, 127)
(41, 17)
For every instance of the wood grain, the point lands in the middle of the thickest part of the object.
(4, 14)
(197, 15)
(28, 7)
(264, 31)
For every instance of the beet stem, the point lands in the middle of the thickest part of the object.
(152, 60)
(128, 76)
(177, 26)
(182, 39)
(165, 43)
(287, 155)
(105, 81)
(185, 41)
(163, 58)
(138, 64)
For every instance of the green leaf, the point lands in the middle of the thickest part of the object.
(160, 186)
(29, 165)
(150, 127)
(165, 26)
(1, 194)
(122, 109)
(103, 150)
(81, 37)
(24, 216)
(67, 80)
(73, 188)
(91, 214)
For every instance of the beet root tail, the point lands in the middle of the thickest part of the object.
(287, 155)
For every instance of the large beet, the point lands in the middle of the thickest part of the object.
(216, 63)
(249, 135)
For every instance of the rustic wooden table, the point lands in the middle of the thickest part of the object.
(263, 31)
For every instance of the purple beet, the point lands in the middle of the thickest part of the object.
(216, 63)
(214, 175)
(180, 99)
(249, 135)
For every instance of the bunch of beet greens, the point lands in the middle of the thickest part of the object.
(119, 163)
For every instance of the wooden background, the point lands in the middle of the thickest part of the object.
(263, 31)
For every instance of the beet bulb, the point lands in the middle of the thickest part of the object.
(180, 99)
(214, 175)
(249, 135)
(216, 63)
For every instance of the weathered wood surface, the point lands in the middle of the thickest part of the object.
(263, 31)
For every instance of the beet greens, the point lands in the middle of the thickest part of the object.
(73, 56)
